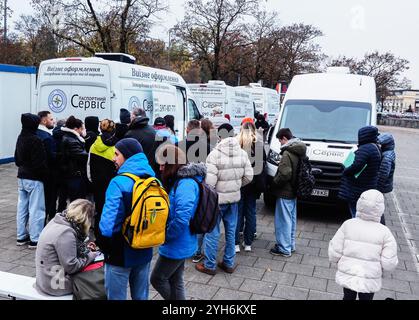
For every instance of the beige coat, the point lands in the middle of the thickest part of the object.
(228, 169)
(362, 247)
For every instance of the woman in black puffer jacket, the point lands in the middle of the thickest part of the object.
(362, 175)
(73, 164)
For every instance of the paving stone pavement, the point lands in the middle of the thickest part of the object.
(308, 274)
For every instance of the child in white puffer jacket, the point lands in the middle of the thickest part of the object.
(363, 248)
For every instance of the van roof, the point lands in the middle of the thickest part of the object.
(333, 87)
(126, 70)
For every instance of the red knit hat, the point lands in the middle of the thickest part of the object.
(247, 120)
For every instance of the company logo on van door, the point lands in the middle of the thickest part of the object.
(87, 102)
(134, 102)
(57, 101)
(319, 152)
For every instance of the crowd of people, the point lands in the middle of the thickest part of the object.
(75, 191)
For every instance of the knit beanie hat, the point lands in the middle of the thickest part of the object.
(129, 147)
(225, 130)
(125, 116)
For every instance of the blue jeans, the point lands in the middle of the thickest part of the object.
(352, 208)
(228, 213)
(200, 238)
(285, 224)
(117, 278)
(30, 209)
(246, 218)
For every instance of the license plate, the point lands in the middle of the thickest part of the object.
(320, 193)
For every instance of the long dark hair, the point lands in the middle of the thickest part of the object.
(173, 158)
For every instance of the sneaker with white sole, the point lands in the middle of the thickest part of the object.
(22, 242)
(247, 248)
(237, 248)
(32, 245)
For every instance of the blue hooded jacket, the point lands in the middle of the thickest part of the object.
(388, 163)
(117, 206)
(369, 154)
(180, 243)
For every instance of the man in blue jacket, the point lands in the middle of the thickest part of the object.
(122, 263)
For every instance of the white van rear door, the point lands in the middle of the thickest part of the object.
(240, 106)
(209, 97)
(273, 102)
(170, 101)
(78, 89)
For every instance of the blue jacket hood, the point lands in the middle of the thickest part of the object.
(367, 134)
(387, 141)
(137, 165)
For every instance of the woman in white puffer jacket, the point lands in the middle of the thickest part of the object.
(363, 248)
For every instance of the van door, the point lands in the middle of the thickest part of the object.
(138, 94)
(273, 102)
(169, 101)
(77, 89)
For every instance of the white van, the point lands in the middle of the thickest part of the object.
(325, 110)
(236, 102)
(267, 101)
(100, 86)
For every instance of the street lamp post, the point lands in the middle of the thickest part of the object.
(169, 47)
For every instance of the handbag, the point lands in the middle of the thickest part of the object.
(89, 283)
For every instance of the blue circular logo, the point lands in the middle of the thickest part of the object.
(57, 101)
(134, 102)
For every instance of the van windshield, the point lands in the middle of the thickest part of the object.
(329, 121)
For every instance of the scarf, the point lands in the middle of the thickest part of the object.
(81, 239)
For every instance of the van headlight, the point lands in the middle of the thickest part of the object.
(274, 157)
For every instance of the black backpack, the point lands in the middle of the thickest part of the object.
(207, 211)
(305, 179)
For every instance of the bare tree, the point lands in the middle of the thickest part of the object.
(38, 40)
(101, 25)
(297, 51)
(208, 27)
(386, 69)
(263, 36)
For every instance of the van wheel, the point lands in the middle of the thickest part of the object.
(269, 200)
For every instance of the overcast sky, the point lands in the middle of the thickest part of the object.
(351, 27)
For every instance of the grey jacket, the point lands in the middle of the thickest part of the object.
(56, 257)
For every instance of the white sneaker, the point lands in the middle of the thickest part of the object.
(247, 248)
(237, 248)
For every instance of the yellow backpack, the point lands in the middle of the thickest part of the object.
(145, 227)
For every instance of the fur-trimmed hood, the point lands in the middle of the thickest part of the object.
(193, 170)
(65, 129)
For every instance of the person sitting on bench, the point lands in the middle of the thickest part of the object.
(62, 250)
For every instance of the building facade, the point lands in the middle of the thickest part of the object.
(402, 101)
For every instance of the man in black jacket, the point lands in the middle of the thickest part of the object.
(30, 157)
(140, 130)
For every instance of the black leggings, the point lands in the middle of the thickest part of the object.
(167, 278)
(349, 294)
